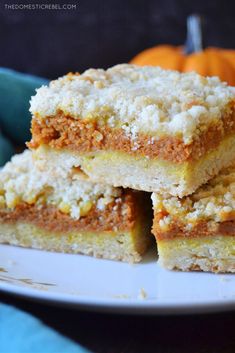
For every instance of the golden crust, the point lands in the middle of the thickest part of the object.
(214, 254)
(83, 136)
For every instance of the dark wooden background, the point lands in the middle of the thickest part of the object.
(101, 33)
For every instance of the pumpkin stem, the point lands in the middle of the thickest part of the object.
(194, 35)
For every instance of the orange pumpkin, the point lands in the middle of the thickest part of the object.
(207, 62)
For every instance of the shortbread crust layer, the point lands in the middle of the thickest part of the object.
(127, 246)
(142, 173)
(209, 254)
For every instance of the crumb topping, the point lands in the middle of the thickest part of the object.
(138, 99)
(214, 201)
(24, 179)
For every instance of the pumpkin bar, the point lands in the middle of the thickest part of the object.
(151, 129)
(197, 232)
(45, 208)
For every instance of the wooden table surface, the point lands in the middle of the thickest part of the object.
(106, 333)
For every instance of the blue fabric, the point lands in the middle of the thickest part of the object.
(6, 150)
(22, 333)
(16, 90)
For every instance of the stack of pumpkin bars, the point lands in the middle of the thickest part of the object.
(103, 145)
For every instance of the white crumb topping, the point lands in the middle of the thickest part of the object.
(214, 201)
(28, 180)
(138, 99)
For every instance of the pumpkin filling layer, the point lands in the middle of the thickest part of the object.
(177, 229)
(52, 219)
(62, 131)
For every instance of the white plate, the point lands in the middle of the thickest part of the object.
(97, 284)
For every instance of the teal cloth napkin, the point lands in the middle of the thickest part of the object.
(6, 150)
(16, 90)
(22, 333)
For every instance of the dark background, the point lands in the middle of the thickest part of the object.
(106, 333)
(103, 33)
